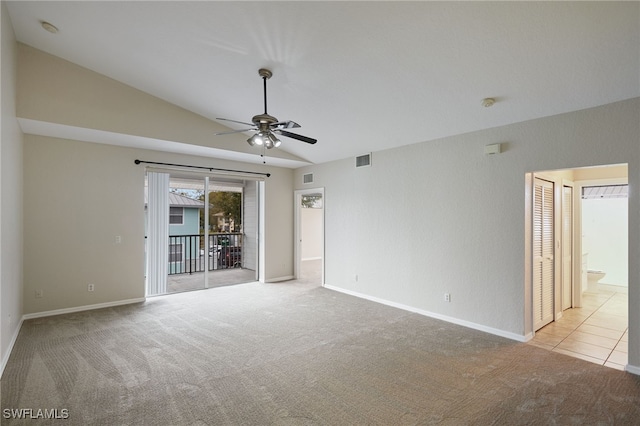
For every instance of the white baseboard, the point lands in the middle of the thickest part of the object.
(279, 279)
(82, 308)
(632, 369)
(6, 356)
(468, 324)
(310, 258)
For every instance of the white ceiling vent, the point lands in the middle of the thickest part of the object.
(307, 178)
(363, 160)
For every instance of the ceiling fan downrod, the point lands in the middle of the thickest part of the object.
(265, 74)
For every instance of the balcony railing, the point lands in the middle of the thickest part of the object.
(187, 253)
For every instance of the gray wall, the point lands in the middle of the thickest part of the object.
(79, 196)
(441, 216)
(425, 219)
(10, 196)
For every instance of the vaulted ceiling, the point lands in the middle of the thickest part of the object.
(358, 76)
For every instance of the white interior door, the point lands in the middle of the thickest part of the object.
(567, 246)
(543, 253)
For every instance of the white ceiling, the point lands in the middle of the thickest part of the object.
(358, 76)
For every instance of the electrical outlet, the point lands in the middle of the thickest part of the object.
(90, 287)
(39, 294)
(118, 239)
(447, 297)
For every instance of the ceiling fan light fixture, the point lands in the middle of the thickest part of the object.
(273, 141)
(257, 139)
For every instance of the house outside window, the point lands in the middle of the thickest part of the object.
(176, 215)
(175, 252)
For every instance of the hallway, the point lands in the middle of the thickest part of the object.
(596, 332)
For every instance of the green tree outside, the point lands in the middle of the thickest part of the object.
(227, 203)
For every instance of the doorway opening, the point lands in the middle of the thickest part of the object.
(586, 231)
(200, 231)
(309, 234)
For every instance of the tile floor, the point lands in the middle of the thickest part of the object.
(596, 332)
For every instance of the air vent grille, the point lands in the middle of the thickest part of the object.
(363, 160)
(307, 178)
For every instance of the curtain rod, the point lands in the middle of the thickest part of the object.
(202, 167)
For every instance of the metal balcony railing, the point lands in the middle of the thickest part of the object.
(187, 252)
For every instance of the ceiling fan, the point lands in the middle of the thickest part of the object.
(267, 126)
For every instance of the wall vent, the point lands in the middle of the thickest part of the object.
(307, 178)
(363, 160)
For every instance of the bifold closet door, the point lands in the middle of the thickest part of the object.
(542, 253)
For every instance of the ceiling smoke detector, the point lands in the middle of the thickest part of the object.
(487, 102)
(49, 27)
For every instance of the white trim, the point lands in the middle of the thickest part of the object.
(632, 369)
(297, 248)
(262, 248)
(82, 308)
(573, 291)
(311, 258)
(12, 342)
(279, 279)
(468, 324)
(601, 182)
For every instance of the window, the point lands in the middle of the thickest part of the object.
(312, 201)
(605, 191)
(176, 216)
(175, 252)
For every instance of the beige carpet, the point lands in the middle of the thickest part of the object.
(296, 354)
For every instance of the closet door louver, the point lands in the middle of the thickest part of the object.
(542, 253)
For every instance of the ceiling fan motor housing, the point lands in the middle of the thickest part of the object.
(264, 121)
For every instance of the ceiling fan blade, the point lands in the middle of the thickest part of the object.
(285, 125)
(235, 121)
(295, 136)
(235, 131)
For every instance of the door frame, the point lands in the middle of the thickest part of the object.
(208, 180)
(297, 202)
(559, 183)
(572, 248)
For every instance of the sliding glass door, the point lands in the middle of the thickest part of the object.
(201, 231)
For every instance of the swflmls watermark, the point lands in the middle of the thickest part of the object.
(35, 413)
